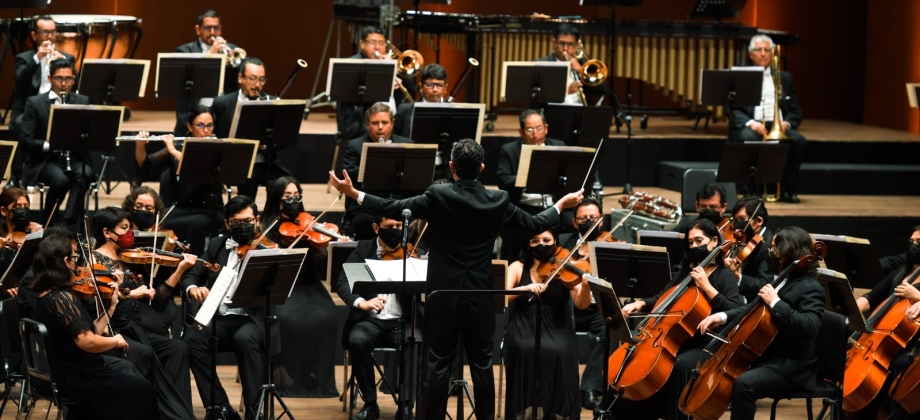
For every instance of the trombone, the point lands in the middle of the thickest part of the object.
(408, 63)
(593, 73)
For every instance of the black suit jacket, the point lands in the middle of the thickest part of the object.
(352, 160)
(28, 79)
(200, 276)
(590, 91)
(463, 220)
(508, 161)
(350, 115)
(35, 129)
(788, 104)
(183, 105)
(403, 124)
(759, 268)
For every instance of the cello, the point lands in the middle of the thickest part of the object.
(905, 390)
(709, 393)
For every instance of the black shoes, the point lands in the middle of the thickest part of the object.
(589, 399)
(370, 411)
(789, 198)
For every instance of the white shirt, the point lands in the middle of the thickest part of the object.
(764, 112)
(232, 260)
(391, 309)
(571, 98)
(45, 84)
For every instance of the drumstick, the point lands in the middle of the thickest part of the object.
(596, 152)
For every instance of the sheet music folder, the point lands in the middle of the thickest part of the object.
(22, 261)
(278, 118)
(542, 168)
(633, 270)
(608, 304)
(279, 266)
(383, 163)
(86, 128)
(194, 75)
(210, 158)
(107, 80)
(360, 80)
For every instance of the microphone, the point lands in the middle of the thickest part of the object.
(406, 214)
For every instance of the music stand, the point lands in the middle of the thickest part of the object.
(189, 75)
(534, 82)
(608, 304)
(717, 9)
(731, 88)
(633, 270)
(578, 125)
(111, 81)
(219, 161)
(854, 257)
(913, 92)
(7, 151)
(87, 128)
(384, 166)
(144, 240)
(22, 261)
(359, 80)
(549, 169)
(445, 123)
(267, 278)
(275, 124)
(338, 252)
(838, 297)
(752, 162)
(671, 241)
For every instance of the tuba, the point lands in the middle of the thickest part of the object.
(776, 131)
(593, 72)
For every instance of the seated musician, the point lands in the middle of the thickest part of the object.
(379, 121)
(710, 204)
(894, 284)
(210, 41)
(14, 226)
(169, 368)
(719, 285)
(565, 44)
(559, 395)
(754, 123)
(102, 387)
(533, 131)
(789, 363)
(433, 87)
(242, 328)
(758, 269)
(54, 168)
(31, 78)
(372, 46)
(373, 320)
(251, 80)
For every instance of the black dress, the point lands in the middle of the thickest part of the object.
(100, 390)
(560, 397)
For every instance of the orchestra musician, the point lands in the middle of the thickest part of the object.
(373, 46)
(169, 365)
(789, 364)
(433, 87)
(102, 387)
(710, 204)
(31, 78)
(62, 171)
(464, 217)
(242, 328)
(753, 123)
(251, 80)
(373, 320)
(210, 41)
(14, 227)
(559, 394)
(565, 44)
(758, 269)
(27, 296)
(720, 287)
(533, 131)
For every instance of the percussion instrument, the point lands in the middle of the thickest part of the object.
(653, 206)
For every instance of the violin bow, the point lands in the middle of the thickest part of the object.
(565, 260)
(419, 239)
(594, 159)
(169, 210)
(50, 215)
(313, 222)
(254, 242)
(86, 257)
(615, 227)
(153, 261)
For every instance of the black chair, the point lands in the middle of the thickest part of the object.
(10, 350)
(349, 396)
(40, 379)
(831, 349)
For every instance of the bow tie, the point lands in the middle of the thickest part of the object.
(231, 244)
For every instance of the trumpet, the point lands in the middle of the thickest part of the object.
(237, 54)
(50, 57)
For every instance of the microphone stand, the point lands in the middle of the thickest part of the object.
(404, 406)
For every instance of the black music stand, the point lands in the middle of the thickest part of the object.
(189, 75)
(7, 151)
(731, 88)
(338, 252)
(359, 80)
(854, 257)
(578, 125)
(534, 82)
(838, 297)
(554, 169)
(112, 81)
(22, 261)
(145, 239)
(443, 124)
(275, 124)
(266, 279)
(633, 270)
(217, 161)
(717, 9)
(672, 241)
(384, 166)
(752, 162)
(608, 304)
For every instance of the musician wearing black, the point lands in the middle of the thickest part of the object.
(433, 87)
(720, 287)
(373, 46)
(753, 123)
(565, 45)
(28, 296)
(464, 217)
(373, 320)
(241, 328)
(14, 227)
(758, 269)
(789, 364)
(60, 170)
(710, 204)
(102, 387)
(210, 41)
(533, 131)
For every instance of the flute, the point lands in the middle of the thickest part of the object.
(149, 138)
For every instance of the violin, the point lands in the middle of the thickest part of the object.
(397, 254)
(317, 233)
(160, 257)
(85, 288)
(726, 228)
(172, 241)
(260, 242)
(16, 238)
(571, 271)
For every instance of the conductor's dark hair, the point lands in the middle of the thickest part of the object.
(107, 218)
(749, 204)
(249, 60)
(528, 112)
(48, 266)
(237, 204)
(207, 14)
(42, 17)
(434, 71)
(709, 190)
(371, 30)
(128, 204)
(467, 156)
(588, 202)
(60, 64)
(792, 243)
(567, 29)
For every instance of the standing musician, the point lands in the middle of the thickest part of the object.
(169, 366)
(14, 226)
(559, 396)
(210, 41)
(373, 320)
(60, 170)
(566, 43)
(464, 218)
(748, 122)
(373, 46)
(102, 387)
(32, 68)
(241, 327)
(750, 215)
(789, 363)
(720, 287)
(252, 80)
(710, 204)
(533, 131)
(433, 87)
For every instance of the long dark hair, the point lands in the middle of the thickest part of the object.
(272, 209)
(50, 269)
(792, 243)
(10, 196)
(526, 257)
(711, 231)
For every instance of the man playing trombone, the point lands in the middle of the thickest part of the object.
(566, 44)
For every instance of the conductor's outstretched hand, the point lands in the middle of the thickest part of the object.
(343, 185)
(570, 200)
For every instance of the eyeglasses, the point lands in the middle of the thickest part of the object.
(209, 28)
(591, 219)
(913, 241)
(72, 258)
(46, 33)
(238, 222)
(762, 50)
(740, 220)
(62, 79)
(542, 241)
(291, 199)
(531, 130)
(714, 207)
(149, 209)
(375, 43)
(698, 241)
(430, 85)
(18, 206)
(254, 79)
(203, 126)
(567, 44)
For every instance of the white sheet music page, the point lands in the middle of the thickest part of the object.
(416, 269)
(215, 297)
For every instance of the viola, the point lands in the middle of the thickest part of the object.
(317, 233)
(160, 257)
(572, 269)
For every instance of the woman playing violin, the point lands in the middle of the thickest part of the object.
(168, 369)
(103, 387)
(14, 208)
(720, 287)
(559, 393)
(789, 364)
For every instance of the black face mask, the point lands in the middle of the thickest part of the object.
(143, 219)
(542, 252)
(390, 237)
(711, 215)
(584, 226)
(243, 233)
(291, 209)
(748, 229)
(913, 254)
(20, 218)
(698, 254)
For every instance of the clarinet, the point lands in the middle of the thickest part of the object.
(66, 152)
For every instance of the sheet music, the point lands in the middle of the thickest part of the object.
(416, 269)
(215, 296)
